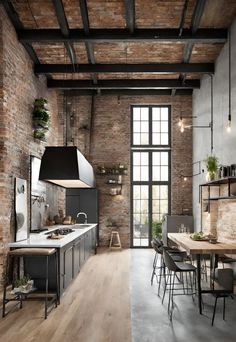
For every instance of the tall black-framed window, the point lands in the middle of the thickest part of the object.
(150, 170)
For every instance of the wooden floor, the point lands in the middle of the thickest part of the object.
(95, 308)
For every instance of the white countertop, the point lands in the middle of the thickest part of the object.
(40, 240)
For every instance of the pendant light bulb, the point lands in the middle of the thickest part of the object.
(228, 126)
(182, 128)
(185, 179)
(180, 122)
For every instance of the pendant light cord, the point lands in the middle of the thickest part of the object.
(212, 103)
(229, 75)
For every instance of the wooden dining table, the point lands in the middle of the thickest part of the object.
(199, 248)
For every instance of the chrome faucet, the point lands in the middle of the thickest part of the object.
(85, 216)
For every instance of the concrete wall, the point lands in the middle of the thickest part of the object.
(224, 143)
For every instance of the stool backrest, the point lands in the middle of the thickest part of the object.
(226, 279)
(157, 247)
(169, 262)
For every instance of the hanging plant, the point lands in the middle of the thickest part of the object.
(41, 118)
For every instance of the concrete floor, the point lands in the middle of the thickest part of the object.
(150, 322)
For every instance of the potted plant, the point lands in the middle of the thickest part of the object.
(157, 229)
(23, 284)
(212, 166)
(40, 118)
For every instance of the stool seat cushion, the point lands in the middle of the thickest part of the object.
(32, 251)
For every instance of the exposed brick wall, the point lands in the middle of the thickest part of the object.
(18, 89)
(110, 144)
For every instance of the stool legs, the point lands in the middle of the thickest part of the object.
(46, 290)
(19, 296)
(116, 245)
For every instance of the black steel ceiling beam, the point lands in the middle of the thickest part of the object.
(197, 14)
(198, 11)
(130, 15)
(116, 35)
(161, 68)
(61, 17)
(181, 26)
(129, 92)
(124, 84)
(13, 16)
(88, 44)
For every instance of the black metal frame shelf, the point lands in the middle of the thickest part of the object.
(218, 182)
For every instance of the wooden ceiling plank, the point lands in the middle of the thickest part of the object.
(14, 18)
(122, 35)
(162, 68)
(61, 17)
(124, 84)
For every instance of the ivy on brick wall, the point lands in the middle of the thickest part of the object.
(41, 118)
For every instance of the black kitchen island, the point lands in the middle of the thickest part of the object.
(73, 250)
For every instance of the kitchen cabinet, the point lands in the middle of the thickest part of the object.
(76, 261)
(68, 263)
(83, 200)
(72, 257)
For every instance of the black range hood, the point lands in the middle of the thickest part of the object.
(67, 167)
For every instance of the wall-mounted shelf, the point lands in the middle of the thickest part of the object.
(228, 181)
(113, 177)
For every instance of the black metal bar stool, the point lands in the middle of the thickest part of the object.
(16, 255)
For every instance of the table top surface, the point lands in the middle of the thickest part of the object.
(201, 247)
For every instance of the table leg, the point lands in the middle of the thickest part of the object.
(199, 283)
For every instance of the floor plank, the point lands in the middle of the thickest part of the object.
(95, 308)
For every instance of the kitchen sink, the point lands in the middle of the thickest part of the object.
(83, 225)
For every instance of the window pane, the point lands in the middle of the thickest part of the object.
(156, 139)
(144, 173)
(155, 206)
(164, 113)
(156, 173)
(137, 207)
(144, 206)
(136, 158)
(164, 126)
(156, 158)
(156, 126)
(136, 173)
(155, 191)
(144, 191)
(136, 191)
(136, 126)
(144, 158)
(136, 113)
(136, 139)
(164, 173)
(144, 139)
(164, 158)
(164, 206)
(156, 114)
(164, 139)
(144, 114)
(144, 126)
(164, 191)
